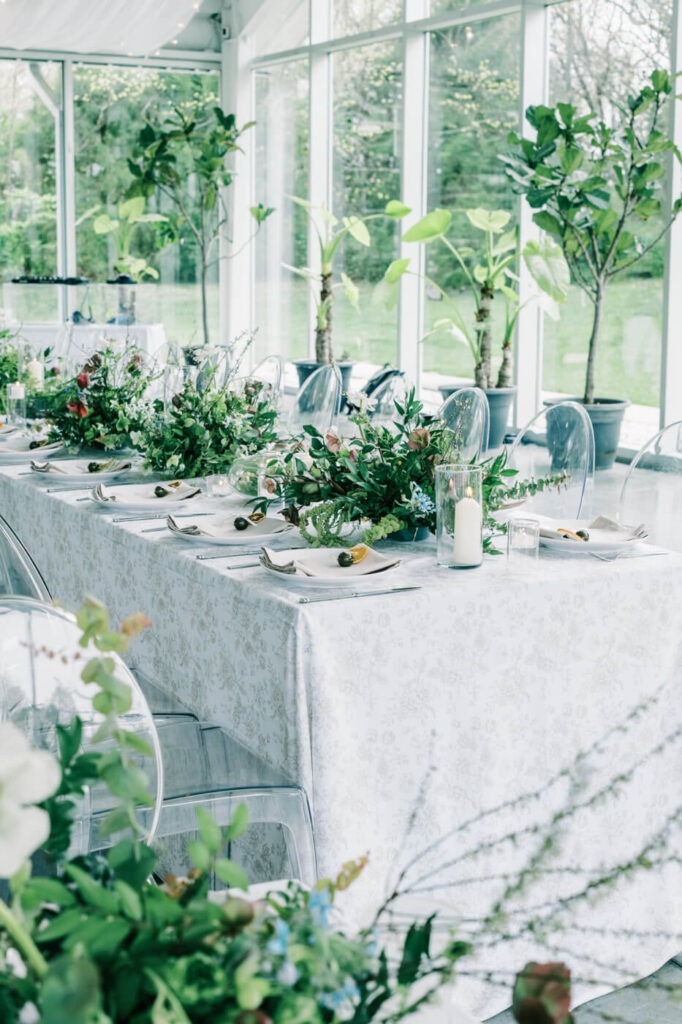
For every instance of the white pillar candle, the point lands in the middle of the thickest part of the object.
(36, 373)
(467, 540)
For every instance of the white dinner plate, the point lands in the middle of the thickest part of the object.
(221, 531)
(141, 498)
(76, 470)
(600, 542)
(17, 448)
(373, 567)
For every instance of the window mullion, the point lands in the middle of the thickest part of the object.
(320, 140)
(671, 341)
(533, 91)
(413, 186)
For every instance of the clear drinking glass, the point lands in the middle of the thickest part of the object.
(218, 485)
(523, 539)
(16, 403)
(459, 516)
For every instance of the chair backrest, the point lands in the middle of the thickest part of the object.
(652, 489)
(19, 575)
(379, 378)
(318, 401)
(383, 398)
(467, 414)
(269, 371)
(39, 692)
(558, 442)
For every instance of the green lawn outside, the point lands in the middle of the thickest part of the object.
(628, 364)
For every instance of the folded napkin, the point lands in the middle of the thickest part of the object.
(46, 467)
(189, 531)
(604, 523)
(288, 568)
(313, 563)
(99, 495)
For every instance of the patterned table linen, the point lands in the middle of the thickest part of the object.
(494, 677)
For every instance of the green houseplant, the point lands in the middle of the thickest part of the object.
(598, 190)
(331, 234)
(490, 270)
(184, 157)
(130, 215)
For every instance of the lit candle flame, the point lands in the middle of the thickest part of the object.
(469, 492)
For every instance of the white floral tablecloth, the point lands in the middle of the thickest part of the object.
(407, 714)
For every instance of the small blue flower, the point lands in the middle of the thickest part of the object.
(338, 1000)
(278, 944)
(288, 974)
(319, 905)
(421, 501)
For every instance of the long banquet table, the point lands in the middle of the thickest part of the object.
(403, 714)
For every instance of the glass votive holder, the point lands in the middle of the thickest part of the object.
(218, 485)
(16, 403)
(523, 539)
(459, 516)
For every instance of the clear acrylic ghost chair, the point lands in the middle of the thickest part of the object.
(652, 489)
(559, 442)
(318, 401)
(467, 415)
(41, 687)
(198, 758)
(392, 389)
(19, 574)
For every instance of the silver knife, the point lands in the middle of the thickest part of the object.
(355, 593)
(235, 554)
(158, 515)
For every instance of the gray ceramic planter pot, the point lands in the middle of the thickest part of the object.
(606, 415)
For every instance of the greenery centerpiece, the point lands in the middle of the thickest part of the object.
(331, 233)
(102, 405)
(199, 432)
(598, 190)
(9, 364)
(184, 157)
(383, 479)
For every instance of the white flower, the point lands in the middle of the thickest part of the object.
(29, 1014)
(173, 461)
(360, 401)
(27, 777)
(15, 963)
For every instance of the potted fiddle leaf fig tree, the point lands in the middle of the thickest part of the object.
(331, 234)
(489, 270)
(185, 158)
(598, 190)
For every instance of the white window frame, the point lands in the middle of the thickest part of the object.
(414, 30)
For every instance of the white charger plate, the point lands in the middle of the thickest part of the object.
(76, 470)
(15, 448)
(336, 577)
(600, 542)
(225, 534)
(141, 498)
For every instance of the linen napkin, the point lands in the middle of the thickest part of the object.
(605, 523)
(46, 467)
(309, 564)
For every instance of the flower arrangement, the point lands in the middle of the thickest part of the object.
(9, 364)
(384, 477)
(102, 405)
(202, 431)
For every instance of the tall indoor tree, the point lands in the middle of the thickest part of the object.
(185, 158)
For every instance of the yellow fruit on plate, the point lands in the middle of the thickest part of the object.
(359, 552)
